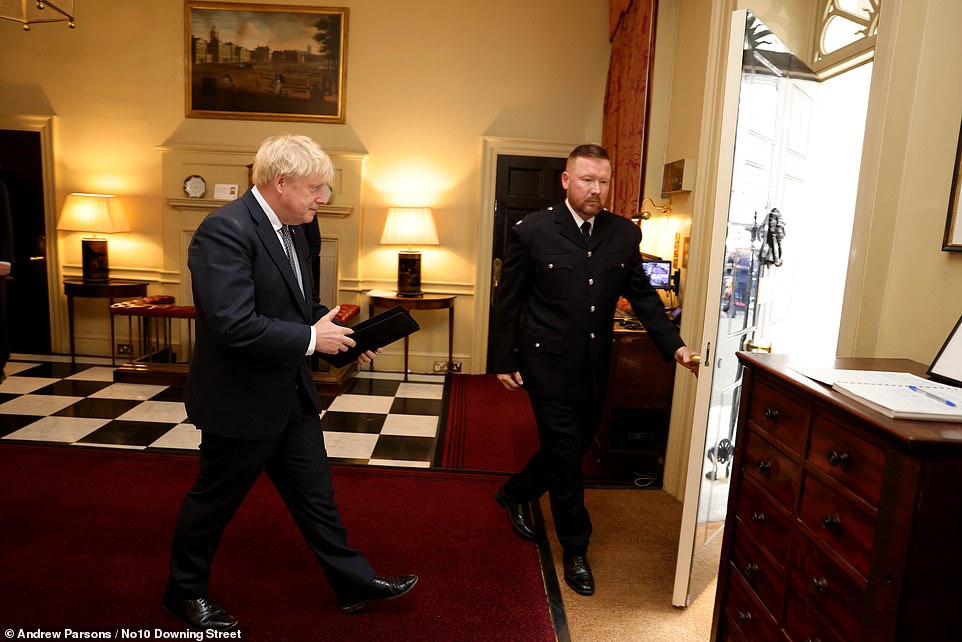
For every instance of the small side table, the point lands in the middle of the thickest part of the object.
(389, 299)
(110, 289)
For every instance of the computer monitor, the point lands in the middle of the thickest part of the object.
(659, 274)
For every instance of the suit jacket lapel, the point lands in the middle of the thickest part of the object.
(602, 227)
(566, 224)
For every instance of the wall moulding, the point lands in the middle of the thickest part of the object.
(208, 205)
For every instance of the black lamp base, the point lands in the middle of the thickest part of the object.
(95, 264)
(409, 273)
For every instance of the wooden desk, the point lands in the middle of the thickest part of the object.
(388, 299)
(633, 433)
(111, 289)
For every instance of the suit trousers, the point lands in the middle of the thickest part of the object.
(296, 463)
(565, 430)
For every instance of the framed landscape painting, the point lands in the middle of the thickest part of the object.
(265, 62)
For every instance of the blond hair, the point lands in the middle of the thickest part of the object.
(292, 156)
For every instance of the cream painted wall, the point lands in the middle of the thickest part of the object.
(658, 233)
(427, 79)
(912, 133)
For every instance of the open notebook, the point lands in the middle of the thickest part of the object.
(900, 395)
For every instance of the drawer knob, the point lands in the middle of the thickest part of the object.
(758, 518)
(771, 414)
(831, 523)
(818, 586)
(751, 568)
(744, 617)
(838, 459)
(764, 466)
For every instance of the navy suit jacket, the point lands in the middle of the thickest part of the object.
(553, 320)
(252, 325)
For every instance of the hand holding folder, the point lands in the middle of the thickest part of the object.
(374, 333)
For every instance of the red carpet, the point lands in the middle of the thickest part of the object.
(488, 427)
(85, 536)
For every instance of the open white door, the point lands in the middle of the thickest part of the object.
(768, 106)
(726, 147)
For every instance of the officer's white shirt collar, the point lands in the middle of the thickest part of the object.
(579, 220)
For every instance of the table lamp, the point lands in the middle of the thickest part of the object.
(409, 226)
(95, 214)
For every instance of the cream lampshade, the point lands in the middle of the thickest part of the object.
(93, 213)
(409, 226)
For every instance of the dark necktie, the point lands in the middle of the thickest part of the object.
(291, 256)
(586, 230)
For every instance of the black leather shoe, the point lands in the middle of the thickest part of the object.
(381, 588)
(200, 614)
(578, 574)
(520, 514)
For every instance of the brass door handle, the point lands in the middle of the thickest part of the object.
(37, 258)
(495, 280)
(751, 346)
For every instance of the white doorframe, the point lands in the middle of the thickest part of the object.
(492, 147)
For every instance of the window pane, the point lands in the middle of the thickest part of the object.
(857, 7)
(839, 32)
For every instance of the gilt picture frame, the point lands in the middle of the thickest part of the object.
(265, 62)
(952, 241)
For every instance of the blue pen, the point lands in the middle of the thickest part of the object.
(932, 396)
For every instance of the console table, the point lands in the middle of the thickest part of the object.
(110, 289)
(389, 299)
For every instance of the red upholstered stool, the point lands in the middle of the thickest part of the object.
(169, 312)
(145, 309)
(132, 308)
(347, 313)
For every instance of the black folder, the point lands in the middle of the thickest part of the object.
(374, 333)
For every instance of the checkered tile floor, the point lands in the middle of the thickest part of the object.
(380, 420)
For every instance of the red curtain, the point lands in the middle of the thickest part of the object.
(632, 38)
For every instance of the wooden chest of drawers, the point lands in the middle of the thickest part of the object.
(842, 524)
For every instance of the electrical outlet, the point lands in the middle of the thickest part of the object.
(125, 348)
(440, 366)
(455, 366)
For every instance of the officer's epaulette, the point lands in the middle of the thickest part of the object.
(534, 216)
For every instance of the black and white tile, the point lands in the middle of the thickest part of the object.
(380, 420)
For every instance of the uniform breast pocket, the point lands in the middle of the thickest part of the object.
(616, 268)
(554, 276)
(615, 265)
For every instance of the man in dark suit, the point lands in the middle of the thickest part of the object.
(563, 271)
(249, 390)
